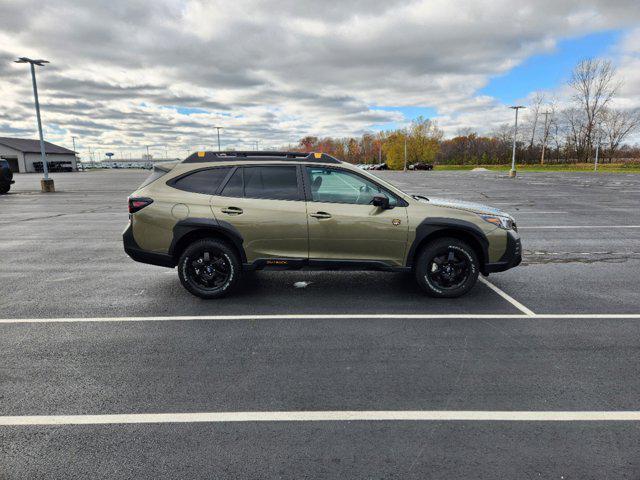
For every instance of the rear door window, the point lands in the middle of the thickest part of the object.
(202, 181)
(235, 186)
(271, 182)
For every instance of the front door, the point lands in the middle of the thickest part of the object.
(343, 225)
(266, 205)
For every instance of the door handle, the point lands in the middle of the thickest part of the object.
(320, 215)
(232, 210)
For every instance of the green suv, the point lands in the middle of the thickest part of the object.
(217, 214)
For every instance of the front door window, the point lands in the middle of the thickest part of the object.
(338, 186)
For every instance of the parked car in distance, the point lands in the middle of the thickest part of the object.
(421, 166)
(6, 176)
(217, 214)
(379, 166)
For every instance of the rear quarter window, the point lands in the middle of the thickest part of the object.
(201, 181)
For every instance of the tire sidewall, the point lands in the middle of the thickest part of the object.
(430, 251)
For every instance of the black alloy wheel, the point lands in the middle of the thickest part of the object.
(209, 268)
(447, 268)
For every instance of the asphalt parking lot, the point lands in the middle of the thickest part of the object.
(109, 369)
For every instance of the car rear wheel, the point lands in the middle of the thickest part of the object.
(4, 187)
(209, 268)
(447, 268)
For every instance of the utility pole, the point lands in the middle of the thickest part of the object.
(46, 184)
(218, 128)
(599, 139)
(545, 135)
(512, 172)
(73, 139)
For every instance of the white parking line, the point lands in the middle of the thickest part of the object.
(329, 316)
(507, 297)
(327, 416)
(564, 227)
(520, 212)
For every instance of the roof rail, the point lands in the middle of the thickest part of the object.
(203, 157)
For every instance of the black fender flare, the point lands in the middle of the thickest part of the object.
(224, 229)
(430, 226)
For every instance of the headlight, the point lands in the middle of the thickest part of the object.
(505, 223)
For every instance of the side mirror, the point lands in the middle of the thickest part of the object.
(380, 201)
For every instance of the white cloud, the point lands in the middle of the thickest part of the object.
(276, 71)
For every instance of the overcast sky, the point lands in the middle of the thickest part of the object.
(128, 73)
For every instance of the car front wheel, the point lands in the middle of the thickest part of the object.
(447, 268)
(209, 268)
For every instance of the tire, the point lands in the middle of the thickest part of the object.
(447, 268)
(209, 268)
(4, 188)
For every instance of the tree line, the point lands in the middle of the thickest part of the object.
(548, 132)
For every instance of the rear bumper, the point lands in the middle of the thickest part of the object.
(132, 249)
(511, 258)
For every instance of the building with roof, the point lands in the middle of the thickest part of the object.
(23, 155)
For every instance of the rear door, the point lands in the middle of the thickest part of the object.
(265, 203)
(343, 225)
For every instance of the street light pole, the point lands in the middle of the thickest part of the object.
(46, 184)
(512, 172)
(218, 128)
(75, 155)
(599, 139)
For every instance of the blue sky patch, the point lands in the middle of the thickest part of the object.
(189, 110)
(549, 70)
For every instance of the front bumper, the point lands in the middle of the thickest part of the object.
(132, 249)
(511, 258)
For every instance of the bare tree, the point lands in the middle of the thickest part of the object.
(573, 127)
(534, 110)
(616, 125)
(594, 84)
(546, 129)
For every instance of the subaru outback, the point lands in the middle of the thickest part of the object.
(216, 215)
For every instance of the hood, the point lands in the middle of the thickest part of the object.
(462, 205)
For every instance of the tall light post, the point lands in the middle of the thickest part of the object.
(512, 172)
(218, 128)
(598, 143)
(46, 184)
(75, 155)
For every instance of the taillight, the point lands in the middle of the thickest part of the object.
(138, 203)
